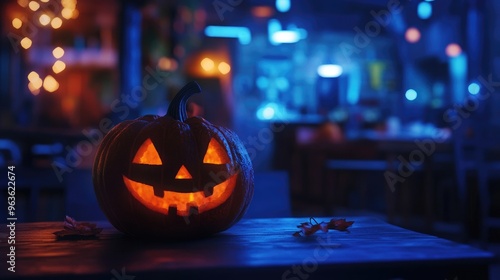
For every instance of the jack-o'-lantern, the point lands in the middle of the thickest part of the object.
(172, 176)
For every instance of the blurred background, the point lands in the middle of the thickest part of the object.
(372, 107)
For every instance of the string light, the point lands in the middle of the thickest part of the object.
(224, 68)
(207, 64)
(67, 13)
(56, 22)
(44, 19)
(35, 80)
(58, 52)
(17, 23)
(23, 3)
(58, 67)
(33, 89)
(34, 6)
(33, 76)
(26, 43)
(50, 84)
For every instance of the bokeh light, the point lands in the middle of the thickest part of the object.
(411, 94)
(474, 88)
(58, 52)
(26, 43)
(453, 50)
(17, 23)
(50, 84)
(207, 64)
(224, 68)
(44, 19)
(56, 22)
(412, 35)
(424, 10)
(33, 76)
(23, 3)
(58, 66)
(167, 64)
(34, 6)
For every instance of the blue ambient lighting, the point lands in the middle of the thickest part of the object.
(474, 88)
(241, 33)
(411, 94)
(278, 35)
(424, 10)
(286, 36)
(330, 70)
(283, 5)
(267, 112)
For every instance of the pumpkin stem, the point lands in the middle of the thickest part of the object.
(177, 108)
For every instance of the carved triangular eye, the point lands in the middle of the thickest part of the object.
(147, 154)
(215, 154)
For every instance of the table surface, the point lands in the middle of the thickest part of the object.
(252, 248)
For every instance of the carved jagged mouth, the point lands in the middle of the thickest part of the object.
(184, 203)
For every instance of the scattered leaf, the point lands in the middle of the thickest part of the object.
(77, 230)
(308, 228)
(339, 224)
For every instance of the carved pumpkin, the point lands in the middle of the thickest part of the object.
(172, 176)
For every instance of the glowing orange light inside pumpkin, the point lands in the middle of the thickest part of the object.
(215, 153)
(147, 154)
(183, 173)
(182, 201)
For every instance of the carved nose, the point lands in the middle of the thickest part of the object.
(183, 173)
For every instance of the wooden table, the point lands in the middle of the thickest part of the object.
(252, 249)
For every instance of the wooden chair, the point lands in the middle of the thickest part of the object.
(488, 168)
(477, 153)
(32, 183)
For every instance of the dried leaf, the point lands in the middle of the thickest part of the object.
(308, 228)
(340, 224)
(77, 230)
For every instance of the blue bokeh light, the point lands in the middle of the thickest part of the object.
(411, 94)
(474, 88)
(283, 5)
(424, 10)
(330, 70)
